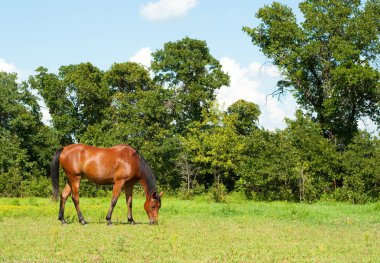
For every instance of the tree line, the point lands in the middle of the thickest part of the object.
(169, 114)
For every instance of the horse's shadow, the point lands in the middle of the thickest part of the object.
(74, 221)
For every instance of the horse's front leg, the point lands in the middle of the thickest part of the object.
(128, 195)
(117, 187)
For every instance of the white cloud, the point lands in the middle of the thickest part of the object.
(368, 125)
(254, 83)
(166, 9)
(143, 56)
(266, 71)
(7, 67)
(10, 68)
(46, 117)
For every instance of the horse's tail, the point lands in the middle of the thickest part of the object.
(55, 173)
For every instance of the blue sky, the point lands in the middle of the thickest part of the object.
(52, 34)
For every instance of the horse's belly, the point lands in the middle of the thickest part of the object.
(99, 180)
(97, 173)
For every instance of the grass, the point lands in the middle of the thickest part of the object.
(190, 231)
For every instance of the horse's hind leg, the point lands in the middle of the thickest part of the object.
(65, 194)
(74, 183)
(117, 187)
(128, 195)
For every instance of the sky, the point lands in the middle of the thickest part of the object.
(55, 33)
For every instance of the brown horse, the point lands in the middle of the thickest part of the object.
(120, 165)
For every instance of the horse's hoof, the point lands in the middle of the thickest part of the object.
(84, 223)
(109, 223)
(64, 223)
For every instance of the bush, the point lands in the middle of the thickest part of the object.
(345, 194)
(217, 193)
(10, 183)
(188, 194)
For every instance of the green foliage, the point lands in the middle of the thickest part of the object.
(317, 163)
(128, 77)
(295, 164)
(193, 146)
(38, 186)
(362, 169)
(217, 192)
(328, 61)
(192, 75)
(213, 145)
(76, 98)
(244, 116)
(189, 193)
(188, 172)
(26, 144)
(267, 167)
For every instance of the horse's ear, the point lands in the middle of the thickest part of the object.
(157, 196)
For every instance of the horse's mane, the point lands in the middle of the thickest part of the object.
(148, 175)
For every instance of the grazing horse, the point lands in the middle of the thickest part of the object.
(120, 165)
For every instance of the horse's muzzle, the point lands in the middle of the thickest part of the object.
(153, 222)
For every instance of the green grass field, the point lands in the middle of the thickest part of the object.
(190, 231)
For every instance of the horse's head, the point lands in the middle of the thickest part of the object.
(152, 205)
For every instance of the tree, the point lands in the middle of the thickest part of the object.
(214, 146)
(245, 116)
(188, 70)
(295, 164)
(188, 172)
(20, 114)
(361, 170)
(13, 161)
(128, 77)
(76, 98)
(26, 143)
(267, 167)
(328, 61)
(317, 161)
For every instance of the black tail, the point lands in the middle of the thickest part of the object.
(55, 173)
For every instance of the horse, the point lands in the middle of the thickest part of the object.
(120, 165)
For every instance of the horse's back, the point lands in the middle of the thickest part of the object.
(100, 165)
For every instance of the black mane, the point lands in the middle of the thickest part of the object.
(148, 175)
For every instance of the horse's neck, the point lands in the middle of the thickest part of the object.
(148, 187)
(145, 187)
